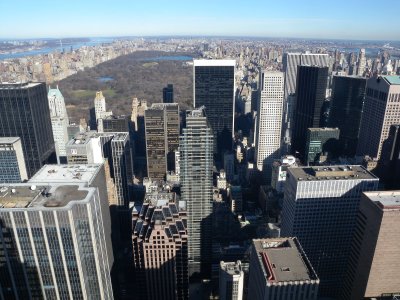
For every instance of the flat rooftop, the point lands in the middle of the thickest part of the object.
(385, 199)
(39, 196)
(339, 172)
(283, 260)
(18, 85)
(9, 140)
(392, 80)
(322, 129)
(232, 268)
(66, 173)
(214, 62)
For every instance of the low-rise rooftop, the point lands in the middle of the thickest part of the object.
(342, 172)
(283, 260)
(232, 268)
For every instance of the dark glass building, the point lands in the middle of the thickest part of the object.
(168, 94)
(214, 88)
(117, 124)
(24, 113)
(310, 92)
(322, 144)
(346, 108)
(389, 164)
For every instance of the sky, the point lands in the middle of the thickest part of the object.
(335, 19)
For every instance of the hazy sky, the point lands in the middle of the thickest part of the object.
(347, 19)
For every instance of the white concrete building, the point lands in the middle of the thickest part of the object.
(269, 121)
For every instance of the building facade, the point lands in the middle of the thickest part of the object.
(320, 207)
(214, 88)
(279, 269)
(12, 161)
(321, 144)
(348, 94)
(231, 280)
(269, 121)
(196, 174)
(59, 120)
(168, 94)
(381, 110)
(53, 243)
(160, 249)
(375, 259)
(162, 138)
(31, 121)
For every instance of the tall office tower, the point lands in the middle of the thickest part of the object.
(100, 110)
(162, 138)
(375, 256)
(269, 121)
(322, 144)
(196, 173)
(362, 62)
(231, 280)
(31, 121)
(160, 250)
(381, 110)
(12, 161)
(168, 94)
(389, 164)
(290, 63)
(347, 101)
(280, 269)
(310, 94)
(84, 148)
(59, 120)
(53, 242)
(319, 208)
(122, 166)
(214, 88)
(137, 118)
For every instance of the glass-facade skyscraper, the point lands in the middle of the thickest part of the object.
(24, 113)
(214, 88)
(348, 94)
(196, 173)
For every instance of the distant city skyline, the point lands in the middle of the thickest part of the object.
(344, 20)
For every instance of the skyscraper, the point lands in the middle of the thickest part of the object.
(375, 256)
(310, 93)
(31, 121)
(362, 62)
(279, 269)
(162, 138)
(168, 94)
(117, 124)
(231, 280)
(53, 242)
(322, 143)
(290, 63)
(381, 110)
(269, 121)
(12, 161)
(389, 164)
(348, 94)
(160, 249)
(319, 208)
(59, 120)
(196, 173)
(214, 88)
(100, 110)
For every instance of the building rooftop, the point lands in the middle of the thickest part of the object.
(232, 268)
(392, 80)
(18, 85)
(120, 136)
(66, 173)
(214, 62)
(321, 173)
(385, 199)
(283, 260)
(9, 140)
(21, 196)
(322, 129)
